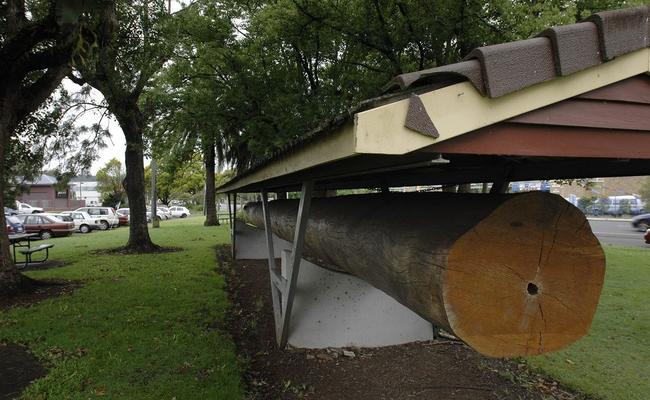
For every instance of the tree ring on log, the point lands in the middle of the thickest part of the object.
(556, 259)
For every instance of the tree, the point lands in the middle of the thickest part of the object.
(38, 42)
(133, 44)
(109, 183)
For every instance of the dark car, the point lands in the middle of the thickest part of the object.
(641, 222)
(47, 226)
(13, 224)
(647, 236)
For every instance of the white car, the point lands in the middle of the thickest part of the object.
(179, 212)
(160, 215)
(83, 222)
(24, 208)
(165, 211)
(105, 215)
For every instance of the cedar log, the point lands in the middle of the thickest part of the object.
(509, 274)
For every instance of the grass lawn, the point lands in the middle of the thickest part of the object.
(613, 360)
(141, 327)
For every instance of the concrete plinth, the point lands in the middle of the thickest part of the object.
(333, 309)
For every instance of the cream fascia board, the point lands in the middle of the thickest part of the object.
(460, 108)
(332, 147)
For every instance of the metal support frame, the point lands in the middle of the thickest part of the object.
(283, 289)
(232, 218)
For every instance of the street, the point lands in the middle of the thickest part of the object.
(619, 233)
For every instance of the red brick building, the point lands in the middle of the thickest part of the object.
(43, 192)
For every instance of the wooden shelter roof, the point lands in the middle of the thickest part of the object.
(572, 102)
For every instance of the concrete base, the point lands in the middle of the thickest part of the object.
(333, 309)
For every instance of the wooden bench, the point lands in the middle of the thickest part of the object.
(30, 251)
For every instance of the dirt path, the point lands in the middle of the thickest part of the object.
(425, 370)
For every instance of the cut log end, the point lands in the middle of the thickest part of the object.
(525, 280)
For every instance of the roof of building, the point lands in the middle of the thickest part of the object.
(84, 178)
(509, 79)
(43, 180)
(558, 51)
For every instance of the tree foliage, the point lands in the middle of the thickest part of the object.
(109, 183)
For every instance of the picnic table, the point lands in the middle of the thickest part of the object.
(24, 240)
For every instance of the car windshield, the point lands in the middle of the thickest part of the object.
(12, 219)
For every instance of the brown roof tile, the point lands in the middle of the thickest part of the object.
(622, 31)
(575, 47)
(511, 66)
(557, 51)
(466, 70)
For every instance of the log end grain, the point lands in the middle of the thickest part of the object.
(525, 280)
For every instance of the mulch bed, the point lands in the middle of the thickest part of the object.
(127, 251)
(440, 369)
(39, 291)
(18, 368)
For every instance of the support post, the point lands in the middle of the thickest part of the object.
(296, 257)
(284, 289)
(233, 223)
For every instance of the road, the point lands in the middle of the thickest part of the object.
(619, 233)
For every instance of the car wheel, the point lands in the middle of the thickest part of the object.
(84, 229)
(46, 235)
(184, 216)
(103, 225)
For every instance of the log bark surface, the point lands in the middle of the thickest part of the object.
(511, 275)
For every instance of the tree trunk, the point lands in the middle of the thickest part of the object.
(11, 281)
(139, 239)
(511, 275)
(211, 218)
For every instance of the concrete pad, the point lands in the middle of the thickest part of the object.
(333, 309)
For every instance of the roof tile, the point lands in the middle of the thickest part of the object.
(453, 73)
(622, 31)
(575, 47)
(508, 67)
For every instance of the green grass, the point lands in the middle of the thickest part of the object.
(141, 327)
(613, 360)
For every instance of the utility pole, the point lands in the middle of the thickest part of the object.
(154, 195)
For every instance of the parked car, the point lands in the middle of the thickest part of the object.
(106, 216)
(46, 226)
(641, 222)
(83, 222)
(165, 212)
(13, 224)
(123, 215)
(179, 212)
(647, 236)
(24, 208)
(159, 214)
(10, 211)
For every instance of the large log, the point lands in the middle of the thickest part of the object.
(511, 275)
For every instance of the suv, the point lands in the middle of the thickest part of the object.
(179, 212)
(24, 208)
(105, 215)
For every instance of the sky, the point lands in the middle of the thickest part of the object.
(116, 143)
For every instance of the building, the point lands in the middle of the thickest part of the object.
(85, 188)
(44, 192)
